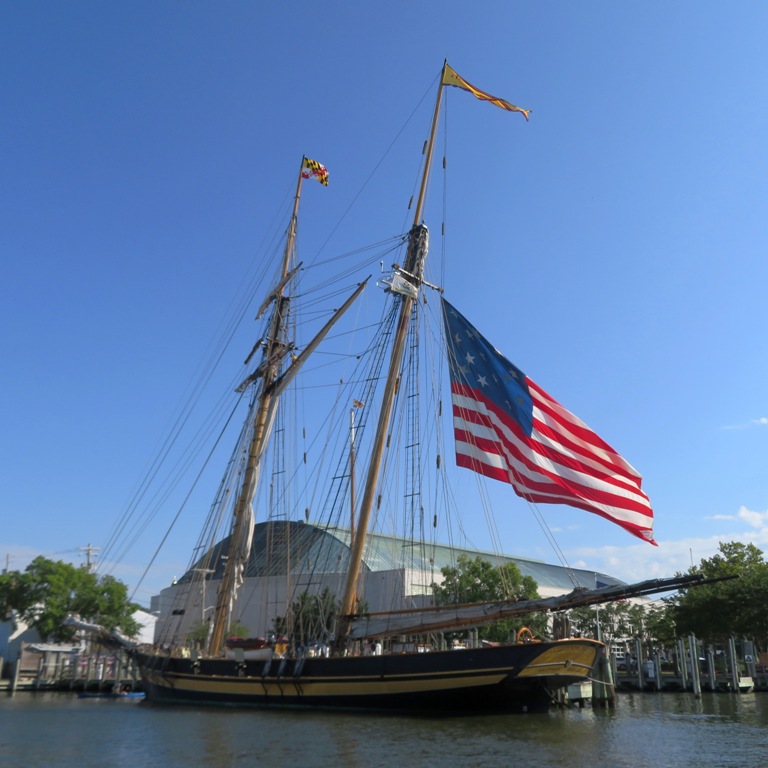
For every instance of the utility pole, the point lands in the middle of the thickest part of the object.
(204, 572)
(89, 552)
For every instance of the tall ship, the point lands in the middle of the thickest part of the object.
(273, 612)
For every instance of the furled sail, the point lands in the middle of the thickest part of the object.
(242, 536)
(459, 616)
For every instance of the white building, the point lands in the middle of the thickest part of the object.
(289, 558)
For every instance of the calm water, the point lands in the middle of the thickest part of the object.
(658, 731)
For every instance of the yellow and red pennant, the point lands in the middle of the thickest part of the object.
(450, 77)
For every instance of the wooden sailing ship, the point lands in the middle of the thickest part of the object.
(506, 428)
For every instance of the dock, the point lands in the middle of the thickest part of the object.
(48, 670)
(689, 667)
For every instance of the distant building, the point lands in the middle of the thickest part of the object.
(16, 636)
(146, 622)
(13, 634)
(289, 558)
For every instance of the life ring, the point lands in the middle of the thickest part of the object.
(524, 635)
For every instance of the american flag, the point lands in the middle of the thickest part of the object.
(508, 428)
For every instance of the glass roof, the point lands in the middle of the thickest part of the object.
(280, 547)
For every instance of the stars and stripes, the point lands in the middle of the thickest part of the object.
(508, 428)
(313, 169)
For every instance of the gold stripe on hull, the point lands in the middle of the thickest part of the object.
(519, 678)
(307, 687)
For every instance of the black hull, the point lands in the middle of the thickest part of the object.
(517, 678)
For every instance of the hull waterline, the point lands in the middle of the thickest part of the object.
(516, 678)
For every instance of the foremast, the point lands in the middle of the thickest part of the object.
(273, 354)
(272, 380)
(412, 271)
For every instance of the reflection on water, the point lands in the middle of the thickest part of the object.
(653, 730)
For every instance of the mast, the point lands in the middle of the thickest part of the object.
(352, 498)
(264, 410)
(418, 243)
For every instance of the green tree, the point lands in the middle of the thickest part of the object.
(238, 629)
(476, 580)
(48, 591)
(198, 633)
(736, 607)
(623, 620)
(608, 622)
(310, 619)
(13, 588)
(660, 625)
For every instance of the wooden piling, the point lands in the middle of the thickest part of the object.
(682, 663)
(733, 664)
(15, 675)
(695, 672)
(639, 660)
(603, 689)
(711, 669)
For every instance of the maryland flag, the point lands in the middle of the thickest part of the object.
(451, 78)
(311, 168)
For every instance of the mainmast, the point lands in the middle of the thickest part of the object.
(273, 354)
(418, 244)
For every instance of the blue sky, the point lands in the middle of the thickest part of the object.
(615, 245)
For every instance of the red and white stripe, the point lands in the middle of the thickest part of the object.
(561, 461)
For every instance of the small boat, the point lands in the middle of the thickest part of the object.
(133, 695)
(253, 648)
(404, 655)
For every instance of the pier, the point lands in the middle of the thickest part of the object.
(40, 668)
(688, 667)
(692, 666)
